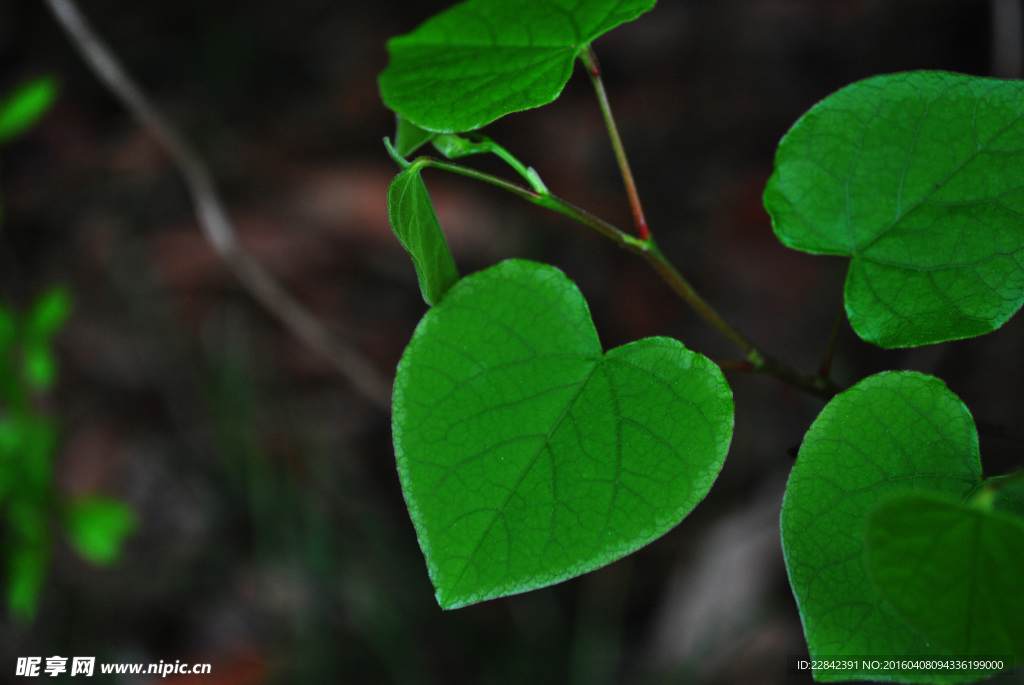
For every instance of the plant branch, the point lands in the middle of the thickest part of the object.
(454, 146)
(552, 202)
(213, 218)
(594, 71)
(758, 360)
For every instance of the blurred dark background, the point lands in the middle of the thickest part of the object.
(274, 542)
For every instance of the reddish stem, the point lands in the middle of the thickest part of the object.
(594, 71)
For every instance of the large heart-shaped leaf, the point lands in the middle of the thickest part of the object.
(952, 570)
(919, 178)
(526, 455)
(483, 59)
(893, 433)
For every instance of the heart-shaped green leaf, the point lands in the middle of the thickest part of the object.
(415, 224)
(483, 59)
(919, 178)
(952, 570)
(893, 433)
(526, 455)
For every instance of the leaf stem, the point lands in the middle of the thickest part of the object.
(759, 360)
(825, 370)
(594, 71)
(552, 202)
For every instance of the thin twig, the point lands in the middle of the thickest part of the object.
(213, 219)
(594, 71)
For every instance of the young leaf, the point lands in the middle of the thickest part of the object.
(98, 526)
(483, 59)
(415, 224)
(527, 456)
(951, 570)
(893, 433)
(22, 108)
(918, 178)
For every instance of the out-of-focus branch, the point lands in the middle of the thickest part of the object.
(213, 219)
(1007, 38)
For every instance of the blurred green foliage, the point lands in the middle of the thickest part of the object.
(29, 504)
(25, 106)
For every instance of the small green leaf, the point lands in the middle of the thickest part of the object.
(891, 434)
(918, 178)
(527, 456)
(483, 59)
(45, 320)
(409, 137)
(415, 224)
(20, 110)
(40, 366)
(98, 526)
(48, 314)
(951, 570)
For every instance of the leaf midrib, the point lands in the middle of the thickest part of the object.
(498, 511)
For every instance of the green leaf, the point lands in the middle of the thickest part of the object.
(98, 526)
(40, 366)
(893, 433)
(483, 59)
(415, 224)
(409, 137)
(20, 110)
(48, 314)
(918, 178)
(527, 456)
(952, 570)
(45, 320)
